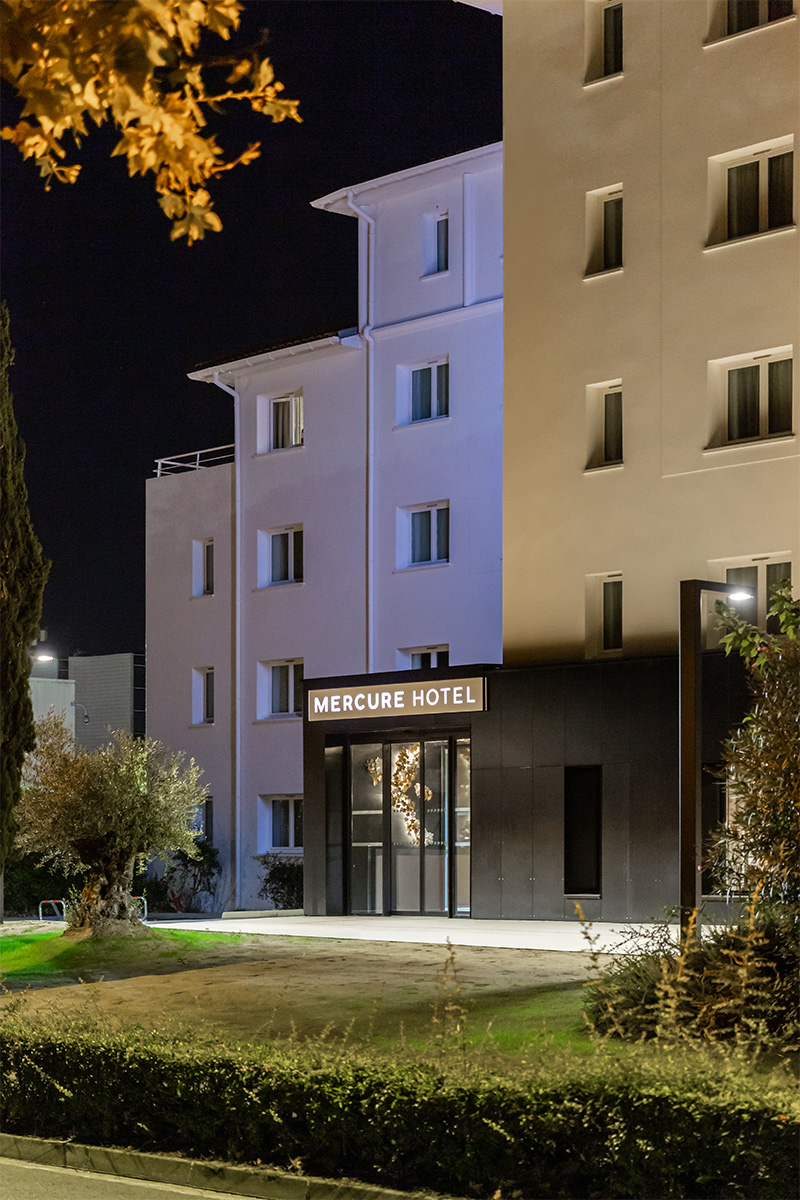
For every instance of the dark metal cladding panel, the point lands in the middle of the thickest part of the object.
(517, 731)
(548, 843)
(583, 715)
(517, 844)
(653, 838)
(619, 703)
(335, 806)
(486, 842)
(725, 700)
(615, 855)
(314, 824)
(547, 717)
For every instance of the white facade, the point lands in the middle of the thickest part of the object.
(359, 526)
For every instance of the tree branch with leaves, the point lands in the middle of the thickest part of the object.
(757, 850)
(137, 64)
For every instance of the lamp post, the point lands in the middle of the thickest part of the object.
(690, 738)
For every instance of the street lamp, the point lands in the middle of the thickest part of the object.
(689, 738)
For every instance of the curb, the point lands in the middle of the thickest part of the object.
(261, 1183)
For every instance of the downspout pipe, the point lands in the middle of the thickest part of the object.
(236, 685)
(366, 322)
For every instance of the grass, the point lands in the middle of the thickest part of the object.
(503, 1024)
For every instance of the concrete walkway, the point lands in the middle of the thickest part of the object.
(523, 935)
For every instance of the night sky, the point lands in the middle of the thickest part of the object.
(108, 315)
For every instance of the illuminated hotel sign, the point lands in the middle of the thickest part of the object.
(397, 699)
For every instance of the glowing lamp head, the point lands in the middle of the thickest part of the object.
(739, 596)
(45, 657)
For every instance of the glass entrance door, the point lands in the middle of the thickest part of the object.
(410, 809)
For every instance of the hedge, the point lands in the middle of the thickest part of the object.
(644, 1126)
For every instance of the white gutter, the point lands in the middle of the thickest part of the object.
(365, 321)
(236, 683)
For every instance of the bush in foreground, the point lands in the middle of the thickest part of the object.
(648, 1125)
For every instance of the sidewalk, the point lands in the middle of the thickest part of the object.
(522, 935)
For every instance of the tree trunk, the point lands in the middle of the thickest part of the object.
(107, 896)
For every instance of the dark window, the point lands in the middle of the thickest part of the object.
(208, 568)
(743, 199)
(612, 614)
(612, 233)
(612, 39)
(742, 14)
(743, 403)
(443, 658)
(442, 244)
(208, 696)
(780, 210)
(778, 9)
(297, 683)
(776, 573)
(582, 830)
(779, 409)
(612, 427)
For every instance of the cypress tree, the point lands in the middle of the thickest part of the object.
(23, 572)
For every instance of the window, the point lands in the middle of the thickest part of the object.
(203, 696)
(604, 424)
(203, 567)
(603, 39)
(430, 391)
(748, 14)
(612, 39)
(280, 556)
(280, 822)
(758, 576)
(430, 534)
(279, 422)
(759, 398)
(420, 658)
(612, 614)
(751, 191)
(279, 689)
(436, 243)
(204, 819)
(604, 230)
(582, 830)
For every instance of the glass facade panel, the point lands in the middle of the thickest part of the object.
(436, 826)
(366, 829)
(463, 832)
(406, 827)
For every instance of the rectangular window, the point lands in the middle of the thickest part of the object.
(430, 535)
(286, 688)
(283, 828)
(759, 194)
(612, 233)
(582, 830)
(612, 614)
(286, 556)
(203, 567)
(604, 230)
(287, 422)
(759, 398)
(612, 427)
(435, 243)
(612, 39)
(758, 577)
(443, 244)
(430, 392)
(420, 658)
(203, 696)
(749, 14)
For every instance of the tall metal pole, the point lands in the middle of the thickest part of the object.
(690, 705)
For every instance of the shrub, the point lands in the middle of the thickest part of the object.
(738, 983)
(283, 880)
(656, 1125)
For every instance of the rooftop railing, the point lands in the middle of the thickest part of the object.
(195, 460)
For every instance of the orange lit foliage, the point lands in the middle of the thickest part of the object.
(135, 63)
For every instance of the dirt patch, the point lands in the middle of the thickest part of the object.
(260, 985)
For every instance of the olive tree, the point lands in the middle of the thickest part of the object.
(107, 812)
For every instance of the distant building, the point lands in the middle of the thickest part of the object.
(355, 525)
(110, 692)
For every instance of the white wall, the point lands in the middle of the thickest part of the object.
(676, 507)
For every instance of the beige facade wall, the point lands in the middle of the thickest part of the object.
(681, 505)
